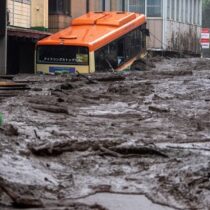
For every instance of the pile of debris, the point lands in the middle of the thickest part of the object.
(66, 137)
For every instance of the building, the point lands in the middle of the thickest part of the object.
(27, 21)
(175, 25)
(61, 12)
(3, 37)
(205, 42)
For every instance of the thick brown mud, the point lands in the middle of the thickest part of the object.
(68, 136)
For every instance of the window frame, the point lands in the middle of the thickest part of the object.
(154, 6)
(62, 63)
(105, 50)
(139, 4)
(60, 7)
(23, 1)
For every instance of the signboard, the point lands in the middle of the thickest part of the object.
(3, 9)
(205, 45)
(205, 38)
(54, 69)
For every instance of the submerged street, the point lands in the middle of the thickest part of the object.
(88, 142)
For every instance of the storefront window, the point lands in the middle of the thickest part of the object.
(97, 5)
(59, 7)
(24, 1)
(154, 8)
(137, 6)
(169, 9)
(177, 9)
(117, 5)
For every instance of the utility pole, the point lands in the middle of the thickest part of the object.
(3, 37)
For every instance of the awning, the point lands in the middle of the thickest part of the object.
(26, 33)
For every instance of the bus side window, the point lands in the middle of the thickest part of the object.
(120, 51)
(113, 52)
(106, 57)
(100, 59)
(132, 43)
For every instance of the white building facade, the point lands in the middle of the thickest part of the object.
(175, 25)
(19, 13)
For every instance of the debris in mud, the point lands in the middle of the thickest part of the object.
(140, 132)
(60, 147)
(19, 200)
(9, 130)
(51, 109)
(11, 89)
(88, 78)
(66, 86)
(110, 78)
(142, 64)
(22, 199)
(5, 85)
(177, 73)
(133, 151)
(105, 148)
(158, 108)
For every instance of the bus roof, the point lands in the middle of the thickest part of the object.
(96, 29)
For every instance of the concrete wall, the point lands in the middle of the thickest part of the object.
(178, 28)
(58, 22)
(78, 8)
(116, 5)
(19, 14)
(174, 36)
(182, 37)
(96, 5)
(182, 21)
(39, 14)
(155, 27)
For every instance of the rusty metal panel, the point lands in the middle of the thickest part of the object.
(156, 33)
(182, 37)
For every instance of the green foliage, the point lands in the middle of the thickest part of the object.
(39, 28)
(206, 13)
(205, 3)
(1, 119)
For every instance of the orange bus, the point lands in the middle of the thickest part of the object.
(96, 41)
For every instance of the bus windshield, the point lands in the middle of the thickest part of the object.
(62, 54)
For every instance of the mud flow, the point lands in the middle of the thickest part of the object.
(116, 139)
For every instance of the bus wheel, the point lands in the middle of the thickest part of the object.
(138, 65)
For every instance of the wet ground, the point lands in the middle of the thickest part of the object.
(141, 134)
(122, 201)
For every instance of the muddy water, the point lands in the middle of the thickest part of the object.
(55, 137)
(123, 202)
